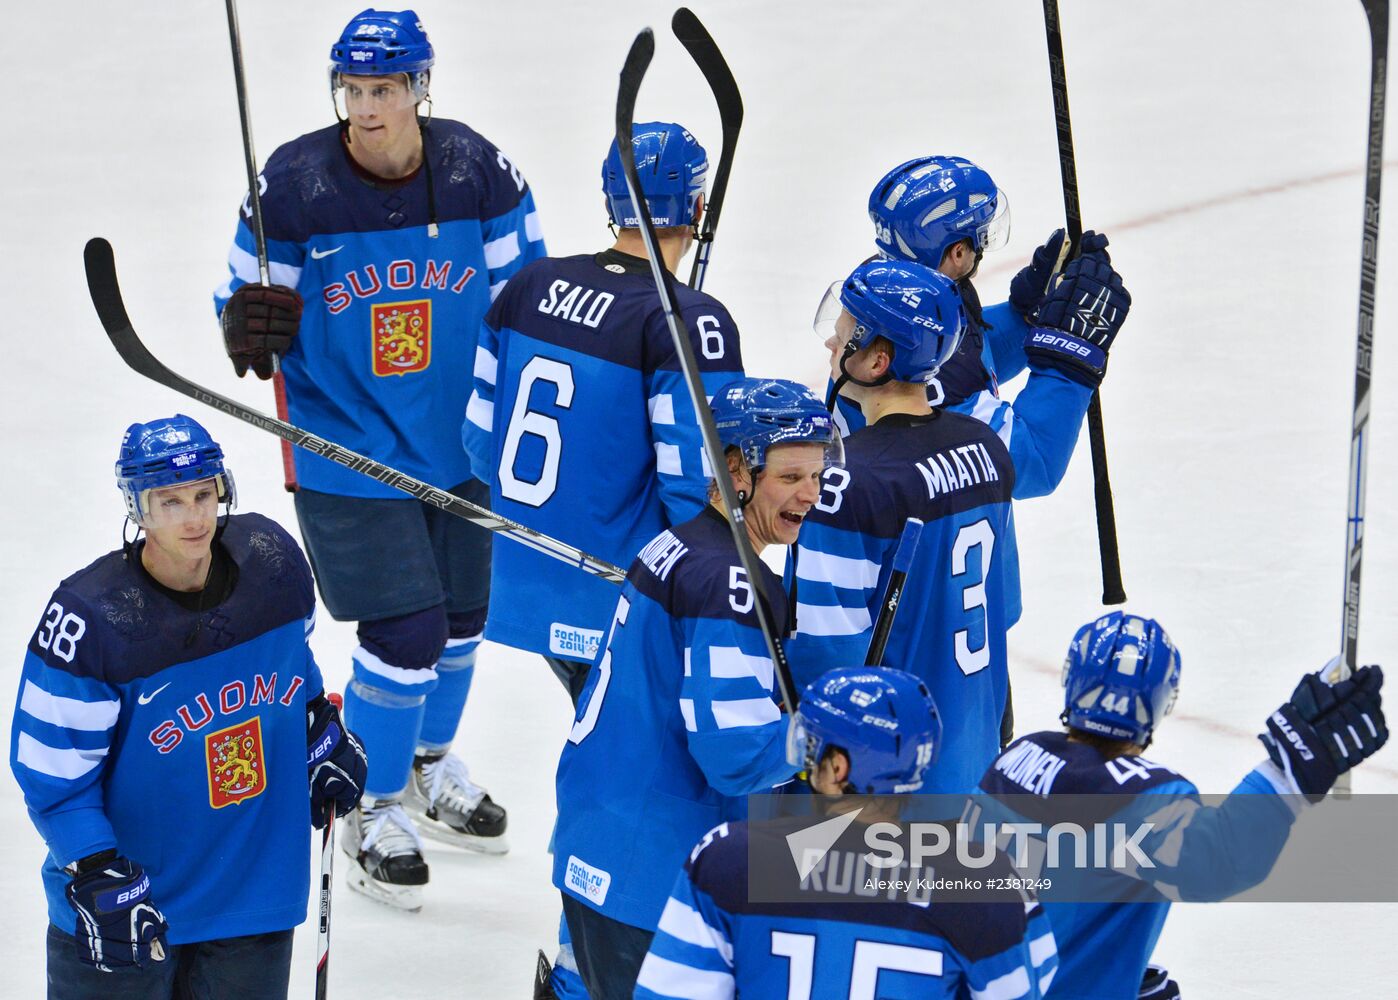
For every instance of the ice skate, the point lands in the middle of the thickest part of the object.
(387, 854)
(450, 808)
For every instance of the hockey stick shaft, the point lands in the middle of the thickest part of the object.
(1112, 590)
(106, 297)
(705, 52)
(893, 593)
(327, 881)
(259, 235)
(632, 73)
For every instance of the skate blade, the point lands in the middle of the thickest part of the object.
(444, 834)
(400, 897)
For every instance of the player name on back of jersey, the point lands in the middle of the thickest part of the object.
(954, 469)
(1031, 767)
(661, 553)
(576, 303)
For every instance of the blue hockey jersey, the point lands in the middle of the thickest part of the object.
(1201, 853)
(581, 422)
(382, 361)
(714, 943)
(955, 474)
(177, 737)
(677, 723)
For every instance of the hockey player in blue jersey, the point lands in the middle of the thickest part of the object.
(890, 328)
(169, 712)
(579, 419)
(1121, 677)
(677, 720)
(867, 731)
(397, 231)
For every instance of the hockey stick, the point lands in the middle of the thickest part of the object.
(327, 871)
(893, 594)
(259, 236)
(1377, 13)
(632, 72)
(696, 38)
(106, 297)
(1112, 591)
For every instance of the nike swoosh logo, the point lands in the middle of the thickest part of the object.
(318, 254)
(145, 699)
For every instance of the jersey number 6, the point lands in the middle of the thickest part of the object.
(526, 422)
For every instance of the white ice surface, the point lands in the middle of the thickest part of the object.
(1221, 145)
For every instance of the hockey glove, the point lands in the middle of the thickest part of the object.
(1079, 319)
(118, 925)
(260, 321)
(336, 761)
(1156, 984)
(1324, 731)
(1029, 287)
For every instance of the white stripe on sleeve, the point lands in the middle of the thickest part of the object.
(827, 619)
(66, 764)
(661, 408)
(687, 710)
(1042, 948)
(497, 288)
(730, 661)
(682, 921)
(667, 459)
(844, 572)
(745, 712)
(486, 366)
(1010, 986)
(68, 713)
(244, 265)
(671, 979)
(480, 412)
(500, 252)
(533, 228)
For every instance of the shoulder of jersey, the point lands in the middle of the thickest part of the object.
(297, 169)
(686, 569)
(718, 865)
(1072, 768)
(472, 158)
(266, 552)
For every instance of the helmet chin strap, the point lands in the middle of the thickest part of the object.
(851, 349)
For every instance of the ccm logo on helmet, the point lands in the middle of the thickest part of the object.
(1062, 343)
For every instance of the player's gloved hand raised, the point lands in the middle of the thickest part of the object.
(1029, 287)
(335, 759)
(118, 926)
(1324, 731)
(260, 321)
(1079, 319)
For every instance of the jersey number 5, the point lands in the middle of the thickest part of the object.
(591, 702)
(531, 423)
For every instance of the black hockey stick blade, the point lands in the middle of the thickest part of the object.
(704, 50)
(1112, 590)
(633, 71)
(106, 298)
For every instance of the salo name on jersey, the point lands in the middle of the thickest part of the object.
(662, 553)
(956, 468)
(232, 697)
(398, 275)
(1032, 768)
(576, 303)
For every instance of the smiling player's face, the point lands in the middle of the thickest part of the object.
(787, 489)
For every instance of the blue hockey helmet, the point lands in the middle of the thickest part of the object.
(757, 414)
(170, 452)
(883, 719)
(1120, 678)
(918, 309)
(921, 208)
(672, 168)
(383, 43)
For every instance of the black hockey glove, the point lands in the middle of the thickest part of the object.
(260, 321)
(1029, 287)
(1324, 731)
(118, 925)
(336, 762)
(1079, 319)
(1156, 984)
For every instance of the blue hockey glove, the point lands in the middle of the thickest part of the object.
(1031, 284)
(118, 926)
(1079, 319)
(1156, 984)
(336, 761)
(1324, 731)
